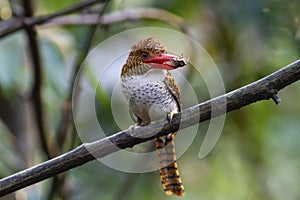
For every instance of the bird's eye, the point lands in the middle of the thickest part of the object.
(144, 54)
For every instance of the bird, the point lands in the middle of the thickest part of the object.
(153, 94)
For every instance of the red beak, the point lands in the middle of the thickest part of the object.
(166, 61)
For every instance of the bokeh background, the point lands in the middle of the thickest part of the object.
(257, 155)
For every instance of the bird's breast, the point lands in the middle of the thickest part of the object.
(147, 92)
(149, 100)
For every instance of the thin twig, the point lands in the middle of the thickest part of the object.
(262, 89)
(37, 82)
(66, 118)
(66, 125)
(132, 14)
(15, 24)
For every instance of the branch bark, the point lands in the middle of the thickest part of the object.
(132, 14)
(15, 24)
(66, 125)
(59, 18)
(37, 81)
(263, 89)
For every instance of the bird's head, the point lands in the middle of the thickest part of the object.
(147, 54)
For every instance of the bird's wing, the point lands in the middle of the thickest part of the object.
(174, 89)
(169, 173)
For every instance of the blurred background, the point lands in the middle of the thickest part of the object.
(257, 155)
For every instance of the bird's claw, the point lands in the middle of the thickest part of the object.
(131, 130)
(170, 117)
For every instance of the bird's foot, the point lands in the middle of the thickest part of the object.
(170, 117)
(138, 122)
(131, 130)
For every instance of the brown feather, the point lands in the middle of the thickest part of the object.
(169, 173)
(135, 66)
(174, 89)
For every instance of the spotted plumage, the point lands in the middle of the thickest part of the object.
(153, 94)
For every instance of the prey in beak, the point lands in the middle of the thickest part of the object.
(166, 61)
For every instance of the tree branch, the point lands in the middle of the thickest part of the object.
(37, 82)
(66, 125)
(132, 14)
(262, 89)
(55, 19)
(15, 24)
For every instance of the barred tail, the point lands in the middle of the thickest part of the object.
(169, 173)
